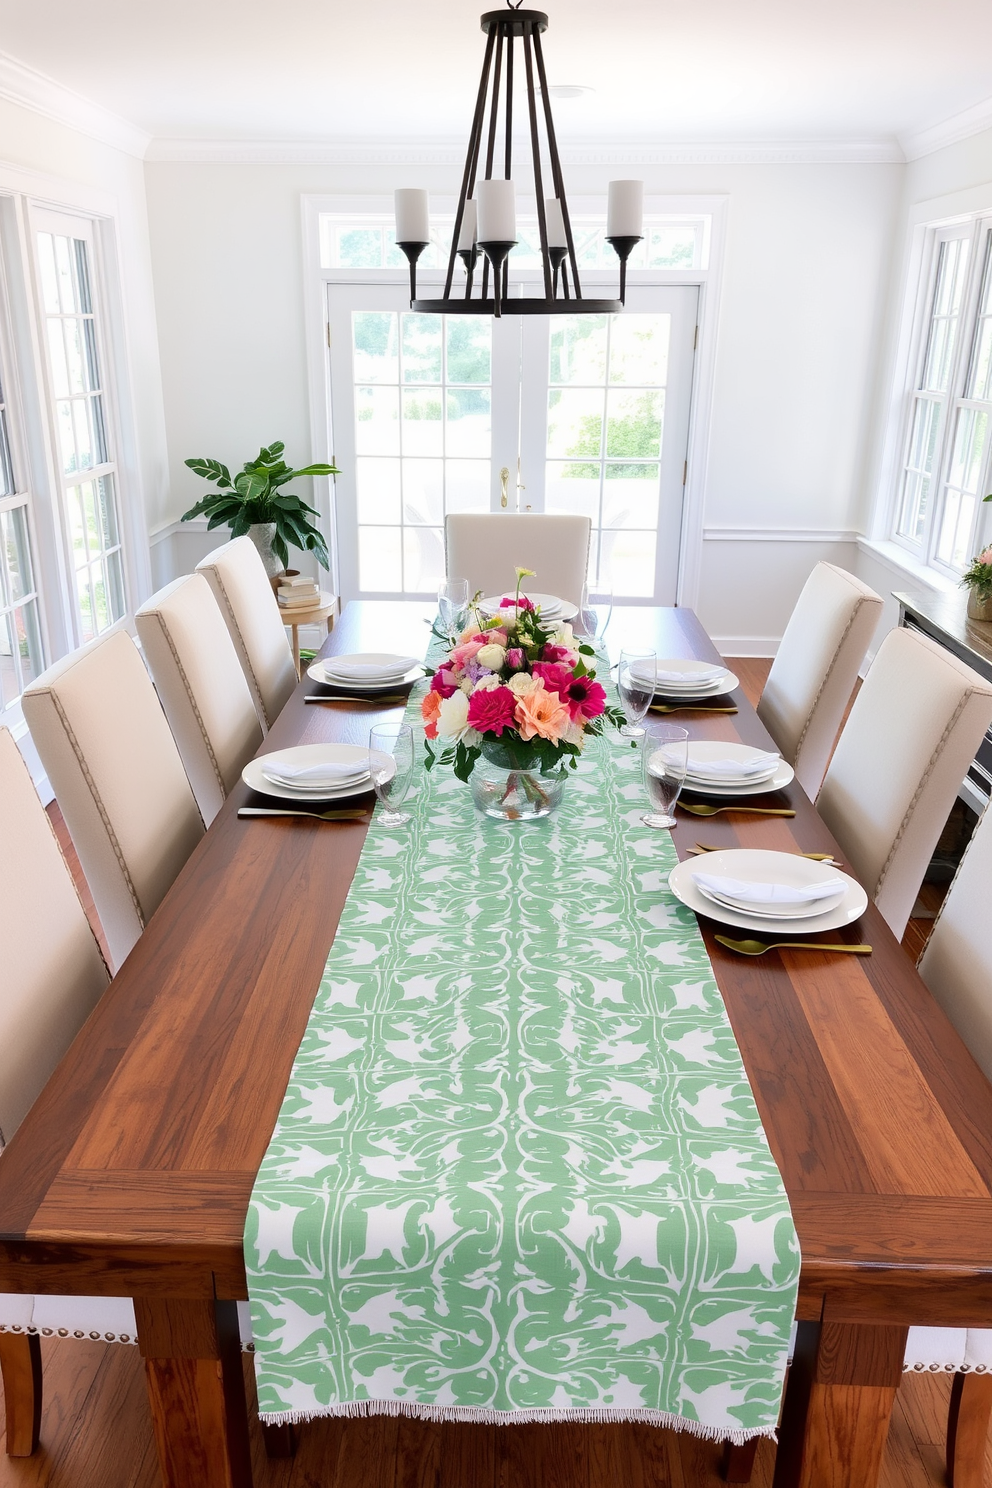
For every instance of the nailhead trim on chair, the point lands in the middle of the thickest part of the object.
(826, 676)
(98, 801)
(245, 659)
(192, 702)
(919, 790)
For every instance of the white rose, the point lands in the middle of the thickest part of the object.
(489, 683)
(452, 718)
(467, 686)
(492, 657)
(522, 683)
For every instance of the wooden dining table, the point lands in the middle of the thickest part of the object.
(131, 1174)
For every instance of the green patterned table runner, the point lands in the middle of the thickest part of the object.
(518, 1173)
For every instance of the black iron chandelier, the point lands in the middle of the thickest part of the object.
(485, 217)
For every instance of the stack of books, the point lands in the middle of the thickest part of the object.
(298, 593)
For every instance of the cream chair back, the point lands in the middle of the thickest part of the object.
(486, 547)
(53, 973)
(242, 590)
(109, 753)
(203, 689)
(957, 961)
(913, 731)
(816, 667)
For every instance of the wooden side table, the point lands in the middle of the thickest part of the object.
(324, 609)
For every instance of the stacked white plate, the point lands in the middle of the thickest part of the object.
(676, 678)
(771, 891)
(315, 772)
(716, 769)
(366, 671)
(552, 608)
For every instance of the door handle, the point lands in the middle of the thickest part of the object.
(504, 477)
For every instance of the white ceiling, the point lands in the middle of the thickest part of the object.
(663, 70)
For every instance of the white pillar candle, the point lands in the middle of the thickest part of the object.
(556, 223)
(625, 209)
(413, 223)
(466, 237)
(497, 212)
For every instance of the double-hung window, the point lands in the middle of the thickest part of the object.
(21, 654)
(945, 468)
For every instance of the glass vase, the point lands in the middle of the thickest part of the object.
(509, 784)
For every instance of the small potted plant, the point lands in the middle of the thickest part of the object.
(978, 581)
(253, 502)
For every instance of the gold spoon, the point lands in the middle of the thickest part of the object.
(706, 847)
(759, 947)
(686, 708)
(698, 810)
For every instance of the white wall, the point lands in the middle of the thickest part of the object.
(71, 168)
(808, 252)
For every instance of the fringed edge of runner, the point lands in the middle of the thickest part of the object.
(484, 1415)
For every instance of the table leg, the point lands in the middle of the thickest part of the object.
(192, 1354)
(20, 1365)
(968, 1429)
(838, 1401)
(738, 1462)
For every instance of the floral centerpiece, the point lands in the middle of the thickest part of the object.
(978, 581)
(518, 692)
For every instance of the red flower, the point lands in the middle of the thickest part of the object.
(583, 698)
(555, 653)
(490, 710)
(523, 603)
(442, 683)
(556, 678)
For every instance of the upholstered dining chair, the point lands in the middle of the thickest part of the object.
(899, 763)
(202, 687)
(486, 547)
(242, 590)
(816, 667)
(108, 751)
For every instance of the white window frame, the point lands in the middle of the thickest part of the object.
(920, 556)
(709, 281)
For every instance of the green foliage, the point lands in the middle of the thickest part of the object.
(256, 495)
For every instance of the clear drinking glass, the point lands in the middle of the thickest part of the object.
(635, 681)
(452, 603)
(664, 755)
(593, 618)
(391, 761)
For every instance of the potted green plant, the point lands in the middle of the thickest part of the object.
(254, 503)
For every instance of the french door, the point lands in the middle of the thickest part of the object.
(434, 414)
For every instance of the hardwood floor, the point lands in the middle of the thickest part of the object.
(96, 1430)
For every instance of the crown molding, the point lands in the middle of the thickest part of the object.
(445, 152)
(43, 95)
(958, 127)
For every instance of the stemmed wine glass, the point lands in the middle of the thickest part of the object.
(636, 683)
(391, 760)
(452, 603)
(591, 621)
(664, 758)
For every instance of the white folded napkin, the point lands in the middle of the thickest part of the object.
(326, 773)
(367, 670)
(695, 679)
(768, 893)
(721, 769)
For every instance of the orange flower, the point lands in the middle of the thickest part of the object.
(429, 710)
(543, 713)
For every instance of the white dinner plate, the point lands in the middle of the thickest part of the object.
(712, 749)
(778, 912)
(552, 608)
(315, 754)
(719, 688)
(317, 672)
(764, 866)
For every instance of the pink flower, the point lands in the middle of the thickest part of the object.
(985, 557)
(443, 682)
(556, 653)
(465, 652)
(554, 676)
(490, 710)
(496, 637)
(541, 713)
(515, 658)
(522, 604)
(583, 698)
